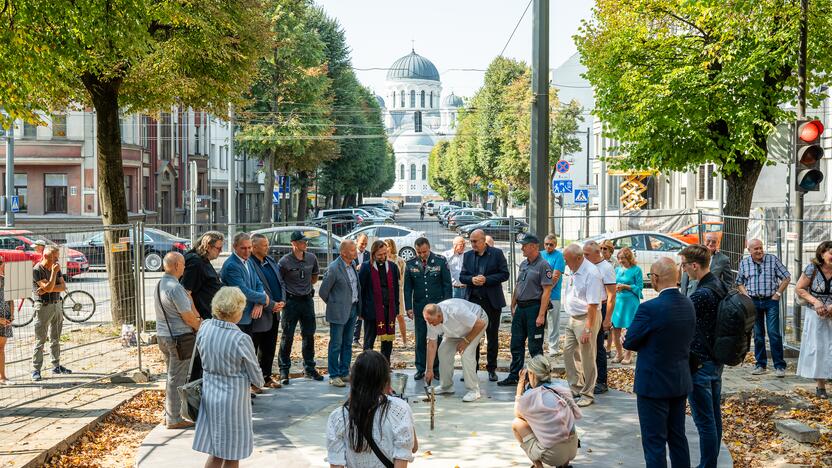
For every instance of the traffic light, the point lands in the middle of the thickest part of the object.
(807, 155)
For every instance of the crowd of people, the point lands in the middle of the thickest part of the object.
(455, 300)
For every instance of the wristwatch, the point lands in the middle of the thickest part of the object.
(466, 340)
(587, 330)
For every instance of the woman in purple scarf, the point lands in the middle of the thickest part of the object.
(379, 299)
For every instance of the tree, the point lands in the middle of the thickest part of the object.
(681, 83)
(134, 56)
(288, 121)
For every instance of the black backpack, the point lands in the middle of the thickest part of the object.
(734, 325)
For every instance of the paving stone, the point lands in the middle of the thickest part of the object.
(797, 430)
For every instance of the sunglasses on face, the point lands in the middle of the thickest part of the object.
(549, 244)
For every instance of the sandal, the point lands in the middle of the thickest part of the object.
(271, 383)
(617, 359)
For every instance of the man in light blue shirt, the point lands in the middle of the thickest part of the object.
(454, 258)
(555, 259)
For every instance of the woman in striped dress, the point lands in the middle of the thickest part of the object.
(229, 364)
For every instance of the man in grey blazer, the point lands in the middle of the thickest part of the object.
(720, 267)
(342, 294)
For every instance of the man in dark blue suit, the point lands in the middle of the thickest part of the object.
(484, 270)
(662, 332)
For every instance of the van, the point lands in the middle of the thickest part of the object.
(391, 205)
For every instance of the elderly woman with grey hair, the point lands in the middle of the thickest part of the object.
(545, 416)
(224, 426)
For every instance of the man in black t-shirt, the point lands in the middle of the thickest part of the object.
(47, 286)
(201, 279)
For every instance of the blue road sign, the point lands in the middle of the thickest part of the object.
(276, 197)
(561, 186)
(562, 166)
(15, 204)
(581, 196)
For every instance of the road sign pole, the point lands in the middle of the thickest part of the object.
(538, 201)
(9, 175)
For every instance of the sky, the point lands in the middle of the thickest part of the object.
(453, 34)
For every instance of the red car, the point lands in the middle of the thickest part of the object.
(23, 240)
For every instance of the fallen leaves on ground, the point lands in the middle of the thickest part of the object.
(113, 442)
(621, 378)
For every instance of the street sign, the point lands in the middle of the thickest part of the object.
(562, 166)
(15, 204)
(581, 196)
(561, 186)
(791, 236)
(276, 197)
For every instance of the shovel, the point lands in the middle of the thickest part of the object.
(430, 392)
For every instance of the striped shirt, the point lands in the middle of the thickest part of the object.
(761, 280)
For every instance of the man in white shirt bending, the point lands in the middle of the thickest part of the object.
(462, 325)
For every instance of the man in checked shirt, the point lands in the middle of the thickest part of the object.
(763, 278)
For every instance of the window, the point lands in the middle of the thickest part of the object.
(422, 99)
(213, 156)
(663, 244)
(146, 191)
(705, 182)
(224, 158)
(412, 172)
(128, 191)
(424, 172)
(402, 98)
(58, 125)
(412, 98)
(401, 172)
(633, 242)
(197, 142)
(55, 193)
(20, 189)
(431, 99)
(393, 101)
(417, 122)
(30, 131)
(165, 137)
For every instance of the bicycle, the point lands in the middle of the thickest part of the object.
(78, 307)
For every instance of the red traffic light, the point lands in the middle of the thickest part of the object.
(810, 131)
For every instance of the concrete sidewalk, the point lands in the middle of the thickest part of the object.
(290, 430)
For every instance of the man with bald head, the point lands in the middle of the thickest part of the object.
(176, 320)
(662, 331)
(720, 267)
(763, 278)
(592, 252)
(584, 293)
(342, 294)
(484, 270)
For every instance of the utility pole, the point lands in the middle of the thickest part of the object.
(799, 195)
(539, 201)
(9, 174)
(232, 178)
(588, 171)
(194, 176)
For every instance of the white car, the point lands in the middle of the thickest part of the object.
(647, 246)
(403, 236)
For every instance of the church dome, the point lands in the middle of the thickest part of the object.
(452, 100)
(413, 67)
(380, 101)
(410, 140)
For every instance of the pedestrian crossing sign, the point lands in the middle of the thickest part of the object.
(15, 204)
(581, 196)
(276, 197)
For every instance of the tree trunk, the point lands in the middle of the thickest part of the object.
(303, 203)
(112, 202)
(286, 205)
(267, 211)
(737, 208)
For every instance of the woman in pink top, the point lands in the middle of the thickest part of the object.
(545, 416)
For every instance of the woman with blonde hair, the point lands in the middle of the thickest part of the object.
(224, 426)
(629, 284)
(545, 416)
(393, 257)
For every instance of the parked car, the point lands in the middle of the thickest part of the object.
(365, 215)
(22, 240)
(390, 204)
(342, 224)
(403, 236)
(647, 246)
(461, 203)
(496, 228)
(467, 216)
(280, 242)
(444, 212)
(378, 210)
(690, 234)
(157, 244)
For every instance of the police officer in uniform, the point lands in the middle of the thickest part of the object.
(299, 270)
(529, 305)
(427, 279)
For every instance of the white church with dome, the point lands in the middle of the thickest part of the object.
(416, 117)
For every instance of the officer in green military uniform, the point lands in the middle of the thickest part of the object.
(427, 280)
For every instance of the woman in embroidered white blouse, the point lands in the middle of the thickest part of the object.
(369, 408)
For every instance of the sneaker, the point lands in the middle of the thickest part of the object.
(181, 425)
(439, 390)
(759, 371)
(61, 370)
(284, 379)
(337, 382)
(256, 390)
(314, 375)
(584, 402)
(600, 388)
(36, 376)
(780, 373)
(471, 396)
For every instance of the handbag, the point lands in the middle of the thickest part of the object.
(803, 302)
(190, 395)
(183, 343)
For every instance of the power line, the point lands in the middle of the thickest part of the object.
(515, 27)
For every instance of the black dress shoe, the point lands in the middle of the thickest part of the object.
(492, 376)
(419, 375)
(284, 379)
(314, 375)
(599, 389)
(507, 382)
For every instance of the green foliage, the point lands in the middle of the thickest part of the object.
(680, 83)
(493, 140)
